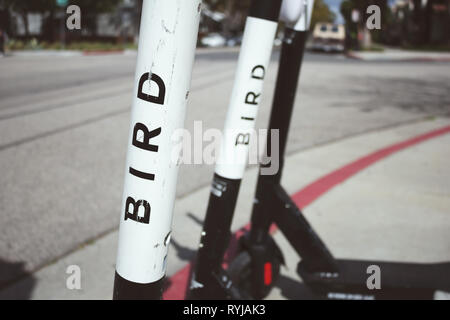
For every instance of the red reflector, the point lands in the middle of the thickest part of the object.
(267, 273)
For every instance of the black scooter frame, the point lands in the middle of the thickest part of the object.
(209, 280)
(321, 272)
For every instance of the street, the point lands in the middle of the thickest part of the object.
(65, 121)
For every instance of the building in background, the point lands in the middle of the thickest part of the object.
(108, 20)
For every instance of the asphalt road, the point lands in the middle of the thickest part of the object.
(64, 123)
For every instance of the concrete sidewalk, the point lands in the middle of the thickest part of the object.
(396, 209)
(400, 55)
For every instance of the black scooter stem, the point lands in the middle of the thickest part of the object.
(208, 281)
(168, 36)
(291, 59)
(270, 199)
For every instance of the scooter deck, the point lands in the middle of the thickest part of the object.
(397, 280)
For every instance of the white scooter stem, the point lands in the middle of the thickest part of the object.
(165, 58)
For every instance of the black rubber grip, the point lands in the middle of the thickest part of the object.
(265, 9)
(128, 290)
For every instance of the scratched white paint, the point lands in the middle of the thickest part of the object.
(256, 49)
(166, 48)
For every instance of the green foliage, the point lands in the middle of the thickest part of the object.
(346, 8)
(321, 13)
(374, 48)
(321, 10)
(89, 6)
(28, 6)
(89, 9)
(97, 6)
(361, 5)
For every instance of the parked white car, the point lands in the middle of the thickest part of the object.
(328, 37)
(213, 40)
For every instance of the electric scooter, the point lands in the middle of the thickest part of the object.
(209, 280)
(252, 273)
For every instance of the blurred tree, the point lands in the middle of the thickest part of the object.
(321, 13)
(346, 8)
(5, 17)
(216, 5)
(236, 11)
(419, 21)
(97, 6)
(361, 5)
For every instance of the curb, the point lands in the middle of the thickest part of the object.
(354, 56)
(102, 52)
(69, 53)
(44, 53)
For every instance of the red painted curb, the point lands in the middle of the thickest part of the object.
(426, 59)
(178, 282)
(351, 55)
(314, 190)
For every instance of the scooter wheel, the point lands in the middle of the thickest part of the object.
(240, 271)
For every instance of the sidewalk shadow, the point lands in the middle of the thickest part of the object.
(183, 253)
(195, 219)
(10, 289)
(295, 290)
